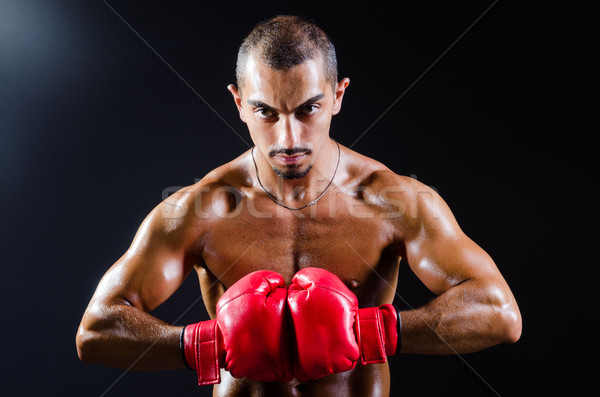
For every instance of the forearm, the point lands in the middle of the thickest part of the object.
(465, 319)
(125, 337)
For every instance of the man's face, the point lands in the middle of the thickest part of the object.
(288, 113)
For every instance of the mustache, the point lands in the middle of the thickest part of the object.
(289, 152)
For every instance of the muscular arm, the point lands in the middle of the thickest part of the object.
(474, 308)
(116, 329)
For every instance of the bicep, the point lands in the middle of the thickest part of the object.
(153, 267)
(440, 254)
(444, 262)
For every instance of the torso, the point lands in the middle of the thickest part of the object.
(346, 232)
(363, 381)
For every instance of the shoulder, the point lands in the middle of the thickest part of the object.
(216, 189)
(376, 179)
(412, 205)
(236, 173)
(180, 221)
(190, 207)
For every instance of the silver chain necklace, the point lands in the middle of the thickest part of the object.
(312, 202)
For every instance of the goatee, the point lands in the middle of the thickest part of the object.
(292, 172)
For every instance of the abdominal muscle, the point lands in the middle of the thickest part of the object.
(366, 381)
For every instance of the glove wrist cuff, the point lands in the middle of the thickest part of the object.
(391, 328)
(377, 331)
(201, 350)
(370, 335)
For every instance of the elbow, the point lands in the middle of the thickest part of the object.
(82, 341)
(91, 334)
(86, 342)
(513, 326)
(510, 323)
(505, 317)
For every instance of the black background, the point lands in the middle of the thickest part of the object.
(95, 127)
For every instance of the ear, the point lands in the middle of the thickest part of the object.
(237, 98)
(339, 94)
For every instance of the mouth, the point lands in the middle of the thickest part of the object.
(291, 160)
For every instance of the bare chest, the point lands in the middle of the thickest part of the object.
(356, 247)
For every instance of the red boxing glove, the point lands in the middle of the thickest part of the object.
(249, 338)
(332, 334)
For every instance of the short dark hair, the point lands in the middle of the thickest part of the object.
(285, 41)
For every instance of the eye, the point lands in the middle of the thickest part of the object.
(309, 109)
(264, 113)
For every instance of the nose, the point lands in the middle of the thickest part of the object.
(289, 132)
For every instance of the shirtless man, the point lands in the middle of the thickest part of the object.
(298, 199)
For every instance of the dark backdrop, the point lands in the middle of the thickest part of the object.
(95, 127)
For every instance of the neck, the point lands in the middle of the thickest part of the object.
(301, 191)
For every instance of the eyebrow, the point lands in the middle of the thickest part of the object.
(260, 104)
